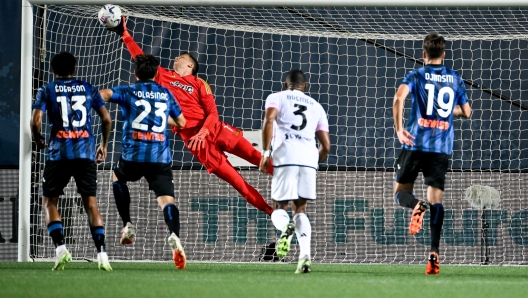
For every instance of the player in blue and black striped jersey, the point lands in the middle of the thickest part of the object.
(438, 94)
(147, 108)
(71, 150)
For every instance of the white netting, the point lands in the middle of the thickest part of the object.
(244, 53)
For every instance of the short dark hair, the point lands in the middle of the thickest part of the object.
(146, 67)
(295, 77)
(63, 64)
(196, 66)
(434, 45)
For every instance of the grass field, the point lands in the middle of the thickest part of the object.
(82, 279)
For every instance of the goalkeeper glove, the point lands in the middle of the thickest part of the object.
(119, 29)
(197, 142)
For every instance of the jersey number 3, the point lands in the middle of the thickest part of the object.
(299, 112)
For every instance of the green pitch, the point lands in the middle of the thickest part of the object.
(81, 279)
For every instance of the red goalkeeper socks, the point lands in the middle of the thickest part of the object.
(227, 173)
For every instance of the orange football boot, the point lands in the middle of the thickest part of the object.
(417, 217)
(433, 265)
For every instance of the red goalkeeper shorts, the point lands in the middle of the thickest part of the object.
(223, 137)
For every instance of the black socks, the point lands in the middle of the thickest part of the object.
(56, 233)
(405, 198)
(172, 218)
(98, 235)
(436, 223)
(122, 200)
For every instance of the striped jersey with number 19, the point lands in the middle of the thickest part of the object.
(145, 107)
(435, 90)
(68, 103)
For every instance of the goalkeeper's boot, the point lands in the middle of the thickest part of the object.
(103, 263)
(180, 260)
(433, 265)
(283, 246)
(304, 265)
(63, 258)
(127, 234)
(417, 217)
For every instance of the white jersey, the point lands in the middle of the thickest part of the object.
(300, 116)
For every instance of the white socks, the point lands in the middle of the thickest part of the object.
(280, 218)
(303, 230)
(60, 249)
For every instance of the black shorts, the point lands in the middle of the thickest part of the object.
(57, 174)
(158, 175)
(433, 165)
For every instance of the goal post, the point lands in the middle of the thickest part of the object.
(355, 54)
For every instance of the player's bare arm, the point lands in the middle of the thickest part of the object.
(178, 122)
(101, 152)
(324, 143)
(399, 100)
(462, 111)
(36, 126)
(106, 94)
(267, 134)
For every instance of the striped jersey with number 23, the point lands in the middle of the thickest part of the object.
(299, 117)
(435, 90)
(146, 107)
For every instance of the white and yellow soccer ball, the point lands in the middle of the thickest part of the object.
(110, 16)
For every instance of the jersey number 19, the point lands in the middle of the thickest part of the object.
(445, 107)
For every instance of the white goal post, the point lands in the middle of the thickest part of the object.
(356, 171)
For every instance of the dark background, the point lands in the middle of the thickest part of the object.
(354, 81)
(10, 26)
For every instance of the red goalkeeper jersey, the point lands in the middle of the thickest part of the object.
(192, 93)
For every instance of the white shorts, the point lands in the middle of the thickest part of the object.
(293, 182)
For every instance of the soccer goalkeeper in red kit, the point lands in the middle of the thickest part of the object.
(204, 134)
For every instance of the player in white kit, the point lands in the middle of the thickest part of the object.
(300, 120)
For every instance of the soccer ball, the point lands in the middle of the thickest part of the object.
(110, 16)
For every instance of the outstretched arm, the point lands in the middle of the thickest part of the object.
(130, 43)
(106, 94)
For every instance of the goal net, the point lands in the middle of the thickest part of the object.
(354, 59)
